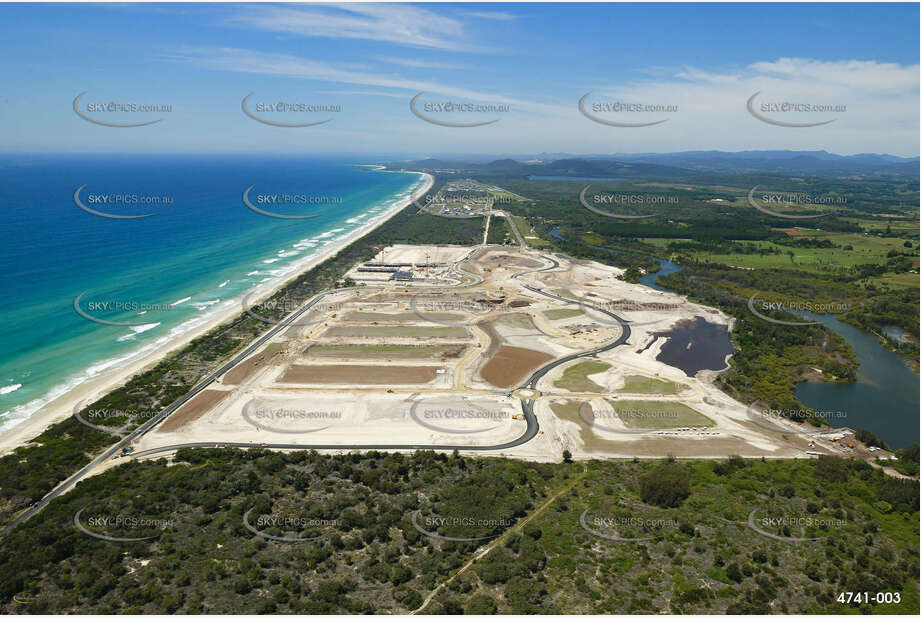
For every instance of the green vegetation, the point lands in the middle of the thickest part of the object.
(641, 384)
(516, 320)
(366, 556)
(31, 471)
(864, 253)
(576, 377)
(666, 486)
(639, 414)
(769, 359)
(562, 314)
(499, 232)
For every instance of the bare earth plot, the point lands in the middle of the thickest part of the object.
(465, 335)
(358, 374)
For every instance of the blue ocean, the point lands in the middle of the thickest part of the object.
(201, 250)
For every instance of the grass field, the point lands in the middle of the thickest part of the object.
(575, 378)
(658, 415)
(640, 384)
(562, 314)
(865, 249)
(565, 293)
(516, 320)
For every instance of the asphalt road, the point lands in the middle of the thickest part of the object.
(527, 407)
(145, 427)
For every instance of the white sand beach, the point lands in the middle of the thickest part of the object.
(91, 390)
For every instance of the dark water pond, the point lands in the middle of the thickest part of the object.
(884, 399)
(696, 344)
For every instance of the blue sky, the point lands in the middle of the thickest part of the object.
(703, 60)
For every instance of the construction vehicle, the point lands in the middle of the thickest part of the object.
(518, 417)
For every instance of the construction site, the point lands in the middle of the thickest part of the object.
(495, 350)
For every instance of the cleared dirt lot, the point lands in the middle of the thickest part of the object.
(424, 332)
(408, 316)
(194, 409)
(245, 369)
(386, 351)
(449, 355)
(357, 374)
(510, 365)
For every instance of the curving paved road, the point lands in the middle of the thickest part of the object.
(527, 406)
(150, 423)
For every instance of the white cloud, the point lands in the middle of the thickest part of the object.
(366, 93)
(393, 23)
(496, 15)
(284, 65)
(881, 102)
(881, 98)
(420, 64)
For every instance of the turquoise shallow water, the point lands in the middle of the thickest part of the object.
(199, 253)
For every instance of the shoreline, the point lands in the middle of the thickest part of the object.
(94, 388)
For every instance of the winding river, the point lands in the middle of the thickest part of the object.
(885, 397)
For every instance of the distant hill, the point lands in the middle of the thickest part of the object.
(787, 162)
(814, 163)
(575, 167)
